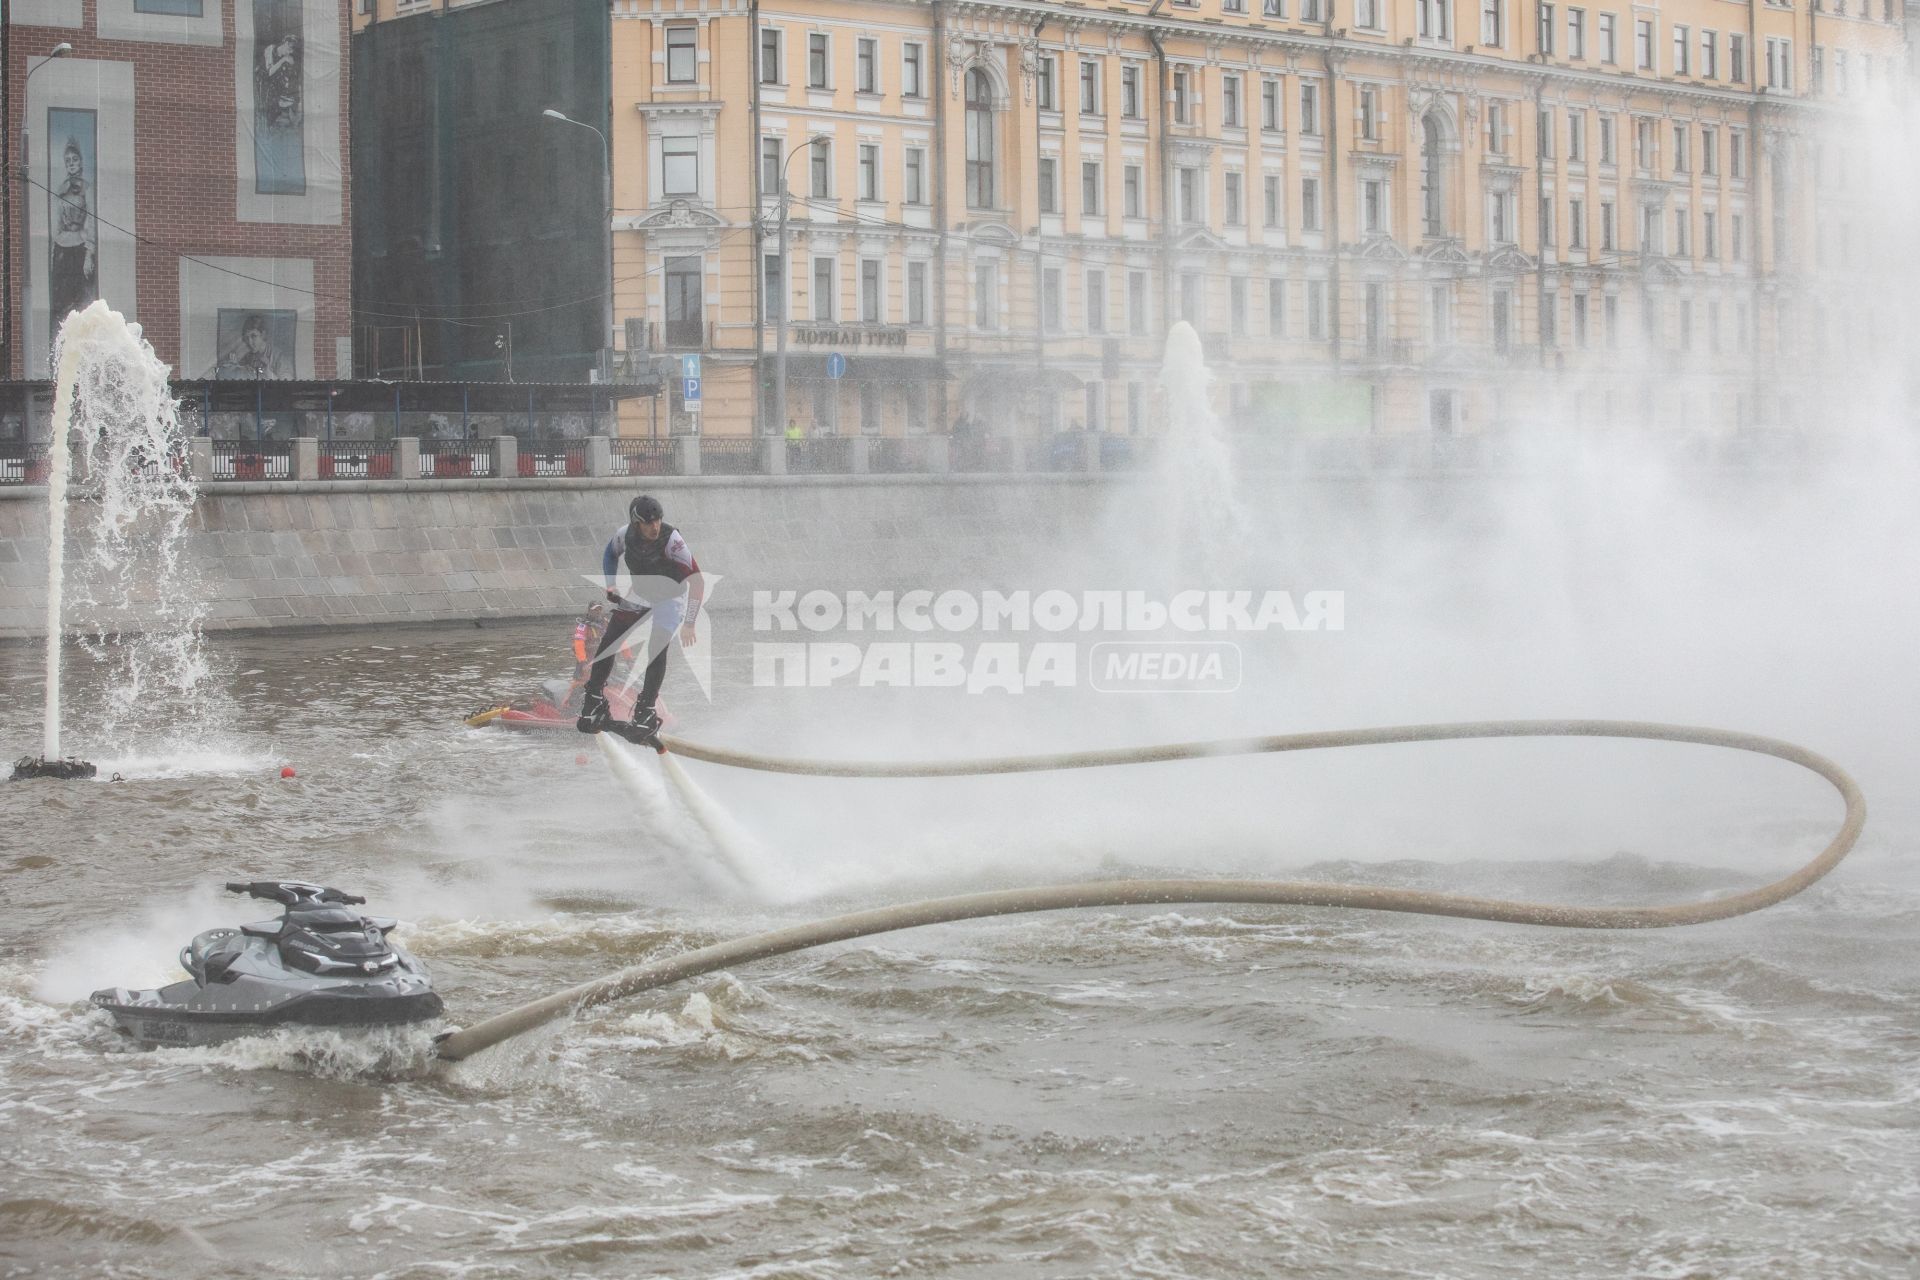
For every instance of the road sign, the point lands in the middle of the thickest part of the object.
(689, 366)
(836, 365)
(690, 394)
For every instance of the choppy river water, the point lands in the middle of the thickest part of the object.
(1191, 1092)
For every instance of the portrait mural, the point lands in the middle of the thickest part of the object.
(73, 255)
(255, 342)
(279, 98)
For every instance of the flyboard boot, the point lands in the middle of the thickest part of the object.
(595, 715)
(643, 730)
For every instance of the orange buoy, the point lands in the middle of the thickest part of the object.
(286, 771)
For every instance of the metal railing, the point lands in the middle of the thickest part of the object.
(896, 455)
(649, 456)
(826, 455)
(23, 462)
(559, 456)
(974, 452)
(356, 460)
(252, 460)
(729, 456)
(456, 459)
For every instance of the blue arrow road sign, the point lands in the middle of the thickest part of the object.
(836, 365)
(689, 366)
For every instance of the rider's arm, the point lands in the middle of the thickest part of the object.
(610, 562)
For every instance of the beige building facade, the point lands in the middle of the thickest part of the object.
(1398, 217)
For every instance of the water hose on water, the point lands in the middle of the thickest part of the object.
(1126, 893)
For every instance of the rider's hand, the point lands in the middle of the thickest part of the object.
(687, 633)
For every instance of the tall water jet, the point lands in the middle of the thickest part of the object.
(116, 443)
(1197, 461)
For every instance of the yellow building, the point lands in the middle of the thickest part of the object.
(1385, 215)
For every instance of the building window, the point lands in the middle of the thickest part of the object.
(681, 54)
(1310, 109)
(820, 170)
(1736, 58)
(1547, 236)
(770, 157)
(1182, 110)
(1376, 318)
(1502, 321)
(1366, 14)
(1317, 310)
(1044, 83)
(1682, 49)
(1576, 224)
(1193, 299)
(1273, 200)
(1545, 27)
(1439, 315)
(1609, 235)
(773, 281)
(1543, 133)
(1576, 137)
(1432, 192)
(1192, 206)
(1270, 105)
(823, 288)
(1230, 102)
(1138, 311)
(1580, 320)
(1049, 185)
(1491, 22)
(680, 166)
(1094, 303)
(684, 293)
(870, 408)
(869, 171)
(1232, 195)
(916, 292)
(915, 176)
(1373, 207)
(1313, 10)
(980, 140)
(986, 305)
(1089, 87)
(1309, 204)
(870, 304)
(1131, 191)
(1779, 63)
(1710, 236)
(1130, 91)
(1369, 113)
(1276, 308)
(1682, 221)
(1577, 34)
(770, 56)
(1643, 44)
(1736, 154)
(1607, 155)
(1609, 40)
(1649, 229)
(826, 407)
(1645, 156)
(913, 70)
(866, 65)
(1435, 18)
(1500, 217)
(1681, 160)
(1710, 55)
(1709, 151)
(1737, 237)
(819, 61)
(1090, 188)
(1050, 302)
(1237, 306)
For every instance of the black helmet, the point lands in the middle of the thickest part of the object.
(645, 507)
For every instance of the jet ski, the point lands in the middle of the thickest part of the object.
(321, 964)
(556, 706)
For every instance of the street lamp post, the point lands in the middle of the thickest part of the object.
(606, 222)
(786, 295)
(60, 50)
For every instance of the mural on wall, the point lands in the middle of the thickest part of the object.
(255, 343)
(279, 98)
(73, 256)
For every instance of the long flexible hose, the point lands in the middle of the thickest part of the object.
(1124, 893)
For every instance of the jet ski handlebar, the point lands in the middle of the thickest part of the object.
(291, 893)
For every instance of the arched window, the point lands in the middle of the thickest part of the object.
(980, 140)
(1432, 199)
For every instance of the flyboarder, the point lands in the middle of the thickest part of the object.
(664, 585)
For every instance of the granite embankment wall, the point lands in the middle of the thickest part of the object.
(345, 553)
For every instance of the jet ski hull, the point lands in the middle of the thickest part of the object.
(186, 1013)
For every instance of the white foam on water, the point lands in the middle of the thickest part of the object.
(733, 847)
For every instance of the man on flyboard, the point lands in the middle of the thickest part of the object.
(664, 585)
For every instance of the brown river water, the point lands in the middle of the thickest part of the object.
(1191, 1092)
